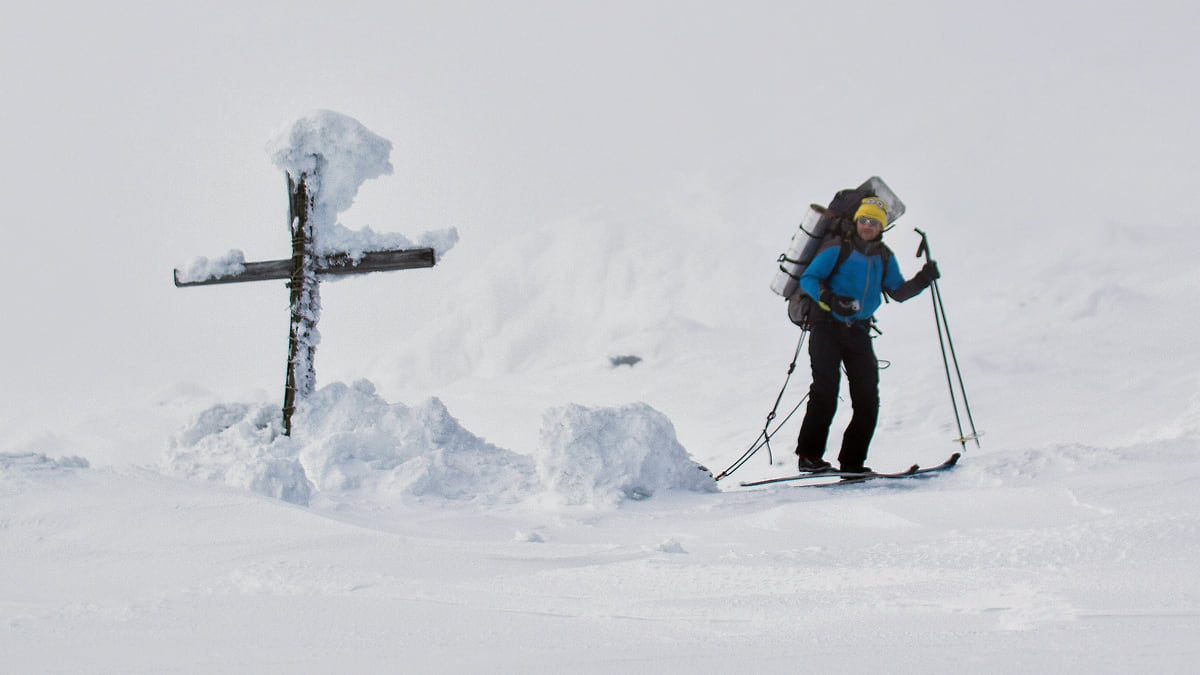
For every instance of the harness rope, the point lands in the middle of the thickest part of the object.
(764, 437)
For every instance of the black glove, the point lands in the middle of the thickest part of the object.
(928, 274)
(838, 304)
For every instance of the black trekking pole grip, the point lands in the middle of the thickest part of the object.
(923, 249)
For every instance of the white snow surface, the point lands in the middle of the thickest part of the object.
(474, 486)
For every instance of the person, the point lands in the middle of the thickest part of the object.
(847, 295)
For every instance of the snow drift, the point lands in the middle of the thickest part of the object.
(602, 456)
(349, 444)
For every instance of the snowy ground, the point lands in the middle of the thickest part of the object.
(475, 486)
(1048, 561)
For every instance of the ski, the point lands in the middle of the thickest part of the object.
(919, 473)
(853, 478)
(832, 474)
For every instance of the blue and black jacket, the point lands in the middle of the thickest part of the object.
(869, 270)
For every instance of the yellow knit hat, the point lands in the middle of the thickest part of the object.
(874, 208)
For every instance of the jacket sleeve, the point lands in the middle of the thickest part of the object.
(898, 289)
(817, 271)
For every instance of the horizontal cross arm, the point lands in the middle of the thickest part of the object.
(377, 261)
(338, 264)
(252, 271)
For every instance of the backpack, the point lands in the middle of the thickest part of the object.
(829, 226)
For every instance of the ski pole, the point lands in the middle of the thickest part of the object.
(939, 317)
(937, 292)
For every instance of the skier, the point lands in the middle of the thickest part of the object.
(848, 289)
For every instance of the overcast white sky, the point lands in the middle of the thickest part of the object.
(134, 138)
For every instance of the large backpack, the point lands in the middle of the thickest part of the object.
(827, 226)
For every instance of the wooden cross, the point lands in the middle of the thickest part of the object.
(303, 272)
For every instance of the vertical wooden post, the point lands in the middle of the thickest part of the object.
(305, 301)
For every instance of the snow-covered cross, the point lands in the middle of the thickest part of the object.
(326, 157)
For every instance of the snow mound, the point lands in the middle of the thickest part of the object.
(36, 462)
(242, 446)
(601, 456)
(350, 445)
(351, 440)
(347, 441)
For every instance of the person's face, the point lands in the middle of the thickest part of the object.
(869, 229)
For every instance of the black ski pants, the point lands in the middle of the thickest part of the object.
(830, 344)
